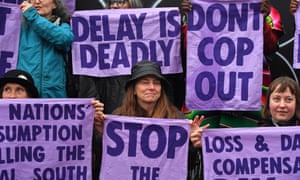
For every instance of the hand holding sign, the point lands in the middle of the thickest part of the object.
(196, 131)
(99, 116)
(293, 6)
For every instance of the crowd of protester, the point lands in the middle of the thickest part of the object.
(46, 38)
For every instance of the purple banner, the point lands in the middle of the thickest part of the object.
(70, 4)
(269, 153)
(296, 63)
(110, 42)
(46, 138)
(10, 23)
(144, 148)
(224, 55)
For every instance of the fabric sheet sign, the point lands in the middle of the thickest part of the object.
(110, 42)
(296, 63)
(224, 55)
(10, 24)
(264, 153)
(45, 139)
(144, 148)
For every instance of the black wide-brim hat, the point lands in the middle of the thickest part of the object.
(20, 77)
(144, 68)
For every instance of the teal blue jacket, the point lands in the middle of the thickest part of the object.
(42, 49)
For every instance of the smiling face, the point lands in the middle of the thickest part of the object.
(282, 105)
(14, 90)
(148, 90)
(44, 7)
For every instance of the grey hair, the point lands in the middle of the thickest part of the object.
(61, 11)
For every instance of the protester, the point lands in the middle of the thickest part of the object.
(147, 96)
(20, 84)
(146, 93)
(109, 90)
(282, 107)
(124, 4)
(293, 6)
(17, 84)
(272, 31)
(45, 39)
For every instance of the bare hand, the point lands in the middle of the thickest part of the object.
(25, 5)
(265, 7)
(196, 131)
(293, 6)
(185, 7)
(99, 116)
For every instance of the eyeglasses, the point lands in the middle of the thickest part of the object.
(34, 1)
(119, 3)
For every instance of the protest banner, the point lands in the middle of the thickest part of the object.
(110, 42)
(70, 4)
(144, 148)
(296, 62)
(264, 153)
(10, 24)
(46, 139)
(10, 27)
(224, 55)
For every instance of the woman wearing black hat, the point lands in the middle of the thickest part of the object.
(146, 94)
(17, 84)
(20, 84)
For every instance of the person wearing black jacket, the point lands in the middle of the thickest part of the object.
(282, 106)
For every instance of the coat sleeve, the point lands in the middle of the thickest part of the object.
(60, 36)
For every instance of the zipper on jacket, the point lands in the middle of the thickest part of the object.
(41, 71)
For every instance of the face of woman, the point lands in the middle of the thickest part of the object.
(282, 105)
(44, 7)
(148, 89)
(119, 4)
(13, 90)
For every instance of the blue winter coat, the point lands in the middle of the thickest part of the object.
(42, 50)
